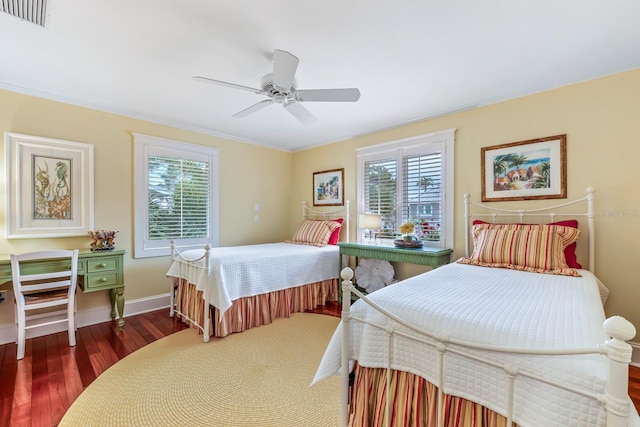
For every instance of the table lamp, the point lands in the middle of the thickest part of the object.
(370, 222)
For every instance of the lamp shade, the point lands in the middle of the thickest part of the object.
(370, 221)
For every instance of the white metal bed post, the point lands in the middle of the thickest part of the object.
(346, 219)
(206, 299)
(591, 228)
(172, 295)
(346, 274)
(467, 196)
(619, 354)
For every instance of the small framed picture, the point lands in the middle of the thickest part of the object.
(525, 170)
(328, 188)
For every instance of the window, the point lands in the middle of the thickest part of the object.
(410, 181)
(176, 195)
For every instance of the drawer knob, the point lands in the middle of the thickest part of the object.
(103, 265)
(103, 279)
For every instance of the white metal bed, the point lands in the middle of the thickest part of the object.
(280, 266)
(394, 327)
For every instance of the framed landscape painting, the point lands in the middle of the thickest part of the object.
(328, 188)
(525, 170)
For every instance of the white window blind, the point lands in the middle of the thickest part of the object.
(380, 182)
(178, 198)
(176, 195)
(421, 196)
(410, 181)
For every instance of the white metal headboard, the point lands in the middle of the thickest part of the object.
(340, 212)
(518, 215)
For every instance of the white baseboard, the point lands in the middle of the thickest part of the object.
(91, 317)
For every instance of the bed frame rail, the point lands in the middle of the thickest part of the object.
(189, 268)
(618, 351)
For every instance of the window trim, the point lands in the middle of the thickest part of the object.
(144, 145)
(444, 141)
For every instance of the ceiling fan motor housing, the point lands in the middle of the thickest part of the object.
(279, 95)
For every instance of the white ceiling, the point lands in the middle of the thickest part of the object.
(411, 59)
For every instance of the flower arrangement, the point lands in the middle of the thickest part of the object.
(407, 228)
(431, 231)
(102, 240)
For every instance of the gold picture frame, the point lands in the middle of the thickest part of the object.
(49, 187)
(525, 170)
(328, 188)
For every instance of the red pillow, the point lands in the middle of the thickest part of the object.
(569, 251)
(335, 236)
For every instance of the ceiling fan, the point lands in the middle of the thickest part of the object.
(280, 87)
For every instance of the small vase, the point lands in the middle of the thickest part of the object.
(408, 239)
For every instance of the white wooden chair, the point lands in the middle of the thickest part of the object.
(39, 287)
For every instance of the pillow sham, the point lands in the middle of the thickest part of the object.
(569, 251)
(335, 235)
(533, 248)
(314, 233)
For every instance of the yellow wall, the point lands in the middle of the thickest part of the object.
(600, 118)
(249, 174)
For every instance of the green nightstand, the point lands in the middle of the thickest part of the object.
(433, 257)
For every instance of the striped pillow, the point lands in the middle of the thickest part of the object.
(569, 251)
(314, 233)
(533, 248)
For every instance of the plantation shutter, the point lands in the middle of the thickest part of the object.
(178, 198)
(409, 180)
(380, 186)
(422, 195)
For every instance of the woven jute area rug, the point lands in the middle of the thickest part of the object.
(260, 377)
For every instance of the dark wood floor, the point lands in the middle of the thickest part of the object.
(634, 386)
(37, 390)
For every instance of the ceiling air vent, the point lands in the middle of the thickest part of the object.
(34, 11)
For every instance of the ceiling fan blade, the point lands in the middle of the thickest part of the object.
(328, 95)
(231, 85)
(299, 112)
(255, 107)
(284, 69)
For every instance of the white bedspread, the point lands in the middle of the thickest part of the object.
(492, 306)
(243, 271)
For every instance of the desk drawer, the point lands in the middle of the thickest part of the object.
(82, 266)
(102, 264)
(106, 280)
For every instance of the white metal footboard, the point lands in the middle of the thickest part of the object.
(615, 399)
(190, 268)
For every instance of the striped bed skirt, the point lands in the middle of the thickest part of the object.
(413, 402)
(248, 312)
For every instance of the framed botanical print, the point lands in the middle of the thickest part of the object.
(49, 187)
